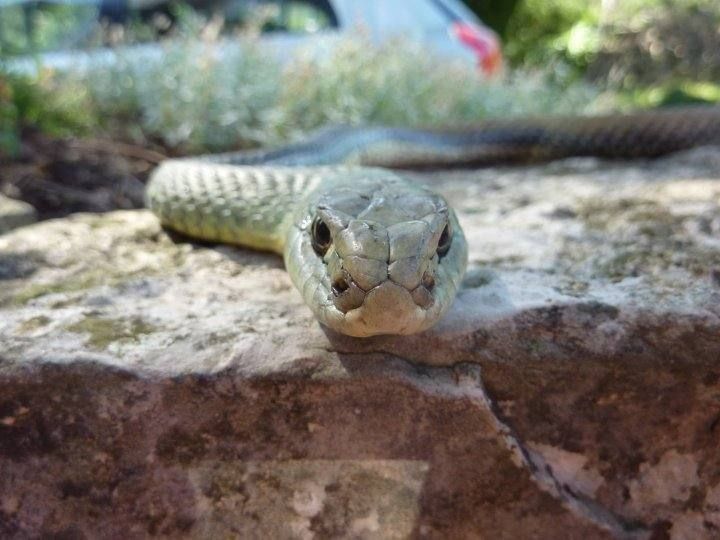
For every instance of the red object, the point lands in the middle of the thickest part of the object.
(483, 41)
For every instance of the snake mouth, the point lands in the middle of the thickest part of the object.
(347, 295)
(387, 308)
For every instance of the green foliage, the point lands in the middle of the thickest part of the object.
(643, 39)
(56, 109)
(9, 124)
(199, 100)
(27, 29)
(401, 84)
(190, 97)
(542, 32)
(494, 13)
(680, 93)
(209, 93)
(667, 46)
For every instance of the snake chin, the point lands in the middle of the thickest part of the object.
(387, 308)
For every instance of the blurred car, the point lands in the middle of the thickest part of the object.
(446, 27)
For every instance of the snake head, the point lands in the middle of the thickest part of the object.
(373, 254)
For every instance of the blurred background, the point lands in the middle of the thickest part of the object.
(94, 93)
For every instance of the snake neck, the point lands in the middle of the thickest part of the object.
(248, 206)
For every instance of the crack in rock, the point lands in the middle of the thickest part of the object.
(464, 381)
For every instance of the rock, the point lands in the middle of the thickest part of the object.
(14, 214)
(154, 387)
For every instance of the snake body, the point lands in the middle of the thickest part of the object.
(371, 252)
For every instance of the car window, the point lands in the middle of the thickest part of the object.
(299, 16)
(455, 10)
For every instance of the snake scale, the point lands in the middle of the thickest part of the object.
(370, 252)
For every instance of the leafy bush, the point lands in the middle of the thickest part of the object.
(200, 92)
(622, 44)
(661, 46)
(548, 32)
(198, 99)
(27, 29)
(399, 83)
(43, 102)
(207, 93)
(190, 96)
(9, 122)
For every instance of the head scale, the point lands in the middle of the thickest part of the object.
(373, 254)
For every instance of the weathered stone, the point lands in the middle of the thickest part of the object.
(149, 387)
(14, 214)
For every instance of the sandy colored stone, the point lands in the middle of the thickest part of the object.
(151, 386)
(305, 498)
(568, 468)
(672, 479)
(14, 214)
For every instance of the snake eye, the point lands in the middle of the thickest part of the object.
(445, 240)
(321, 238)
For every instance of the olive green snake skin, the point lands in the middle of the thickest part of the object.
(370, 252)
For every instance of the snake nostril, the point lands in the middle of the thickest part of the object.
(339, 286)
(428, 281)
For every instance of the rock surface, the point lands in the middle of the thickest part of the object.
(154, 387)
(14, 214)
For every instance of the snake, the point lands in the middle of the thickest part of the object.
(371, 251)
